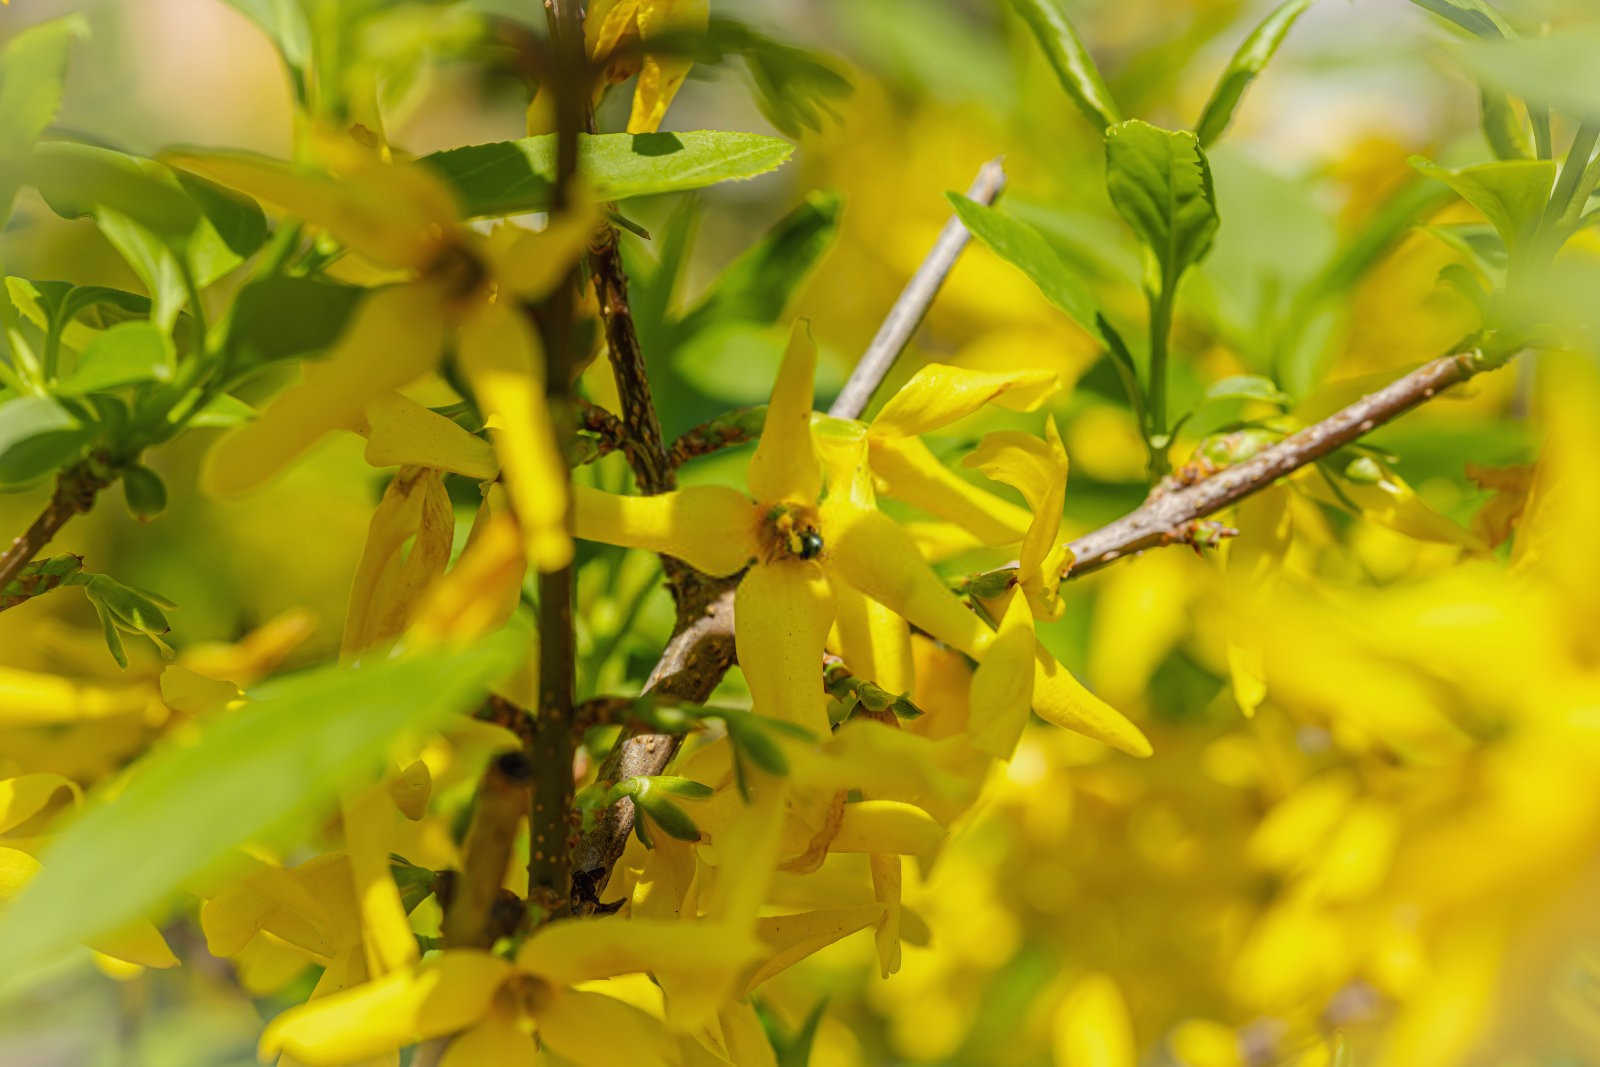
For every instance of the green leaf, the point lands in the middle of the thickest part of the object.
(222, 412)
(1512, 194)
(1072, 63)
(1247, 62)
(1475, 16)
(687, 788)
(144, 492)
(132, 609)
(1160, 183)
(131, 352)
(1558, 71)
(1502, 125)
(757, 286)
(510, 177)
(33, 68)
(79, 180)
(665, 814)
(238, 220)
(37, 435)
(793, 86)
(270, 767)
(1025, 248)
(260, 330)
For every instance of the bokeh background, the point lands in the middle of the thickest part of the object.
(1393, 861)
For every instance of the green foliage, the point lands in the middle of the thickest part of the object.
(1025, 248)
(266, 766)
(1511, 194)
(37, 435)
(1557, 71)
(32, 70)
(124, 354)
(1160, 183)
(511, 177)
(259, 333)
(1070, 59)
(1252, 56)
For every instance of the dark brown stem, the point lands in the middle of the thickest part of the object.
(724, 431)
(641, 441)
(76, 488)
(1167, 517)
(503, 797)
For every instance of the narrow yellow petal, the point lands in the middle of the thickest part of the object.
(1092, 1028)
(885, 868)
(884, 763)
(788, 939)
(266, 897)
(939, 394)
(746, 853)
(784, 468)
(874, 642)
(746, 1039)
(31, 699)
(890, 827)
(371, 824)
(782, 612)
(594, 1030)
(441, 995)
(1061, 699)
(909, 472)
(529, 264)
(387, 586)
(394, 338)
(1038, 470)
(710, 527)
(1002, 686)
(505, 364)
(660, 77)
(139, 943)
(877, 557)
(401, 432)
(567, 953)
(480, 592)
(28, 795)
(498, 1039)
(410, 790)
(399, 216)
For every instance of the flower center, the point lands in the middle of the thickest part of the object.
(790, 531)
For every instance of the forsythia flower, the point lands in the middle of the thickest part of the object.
(401, 217)
(805, 552)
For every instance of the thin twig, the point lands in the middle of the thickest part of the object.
(701, 649)
(1165, 517)
(642, 442)
(914, 301)
(734, 428)
(76, 488)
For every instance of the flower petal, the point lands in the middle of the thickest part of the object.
(744, 1036)
(939, 394)
(661, 76)
(782, 611)
(874, 642)
(529, 264)
(401, 432)
(885, 869)
(394, 338)
(498, 1039)
(1002, 686)
(909, 472)
(441, 995)
(505, 364)
(27, 795)
(1038, 470)
(785, 467)
(1092, 1028)
(890, 827)
(569, 952)
(30, 699)
(370, 829)
(1061, 699)
(877, 557)
(709, 527)
(400, 216)
(387, 587)
(594, 1030)
(791, 938)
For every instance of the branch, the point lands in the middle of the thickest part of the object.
(76, 488)
(641, 443)
(914, 301)
(733, 428)
(702, 646)
(1166, 517)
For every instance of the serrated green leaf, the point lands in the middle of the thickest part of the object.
(757, 286)
(284, 23)
(33, 68)
(271, 766)
(37, 435)
(1252, 56)
(1512, 194)
(1025, 248)
(260, 332)
(1160, 183)
(511, 177)
(1072, 62)
(1558, 71)
(79, 180)
(131, 352)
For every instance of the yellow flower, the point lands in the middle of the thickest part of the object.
(403, 218)
(808, 554)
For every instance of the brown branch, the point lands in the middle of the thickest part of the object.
(642, 443)
(76, 488)
(37, 578)
(734, 428)
(701, 649)
(503, 798)
(1166, 517)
